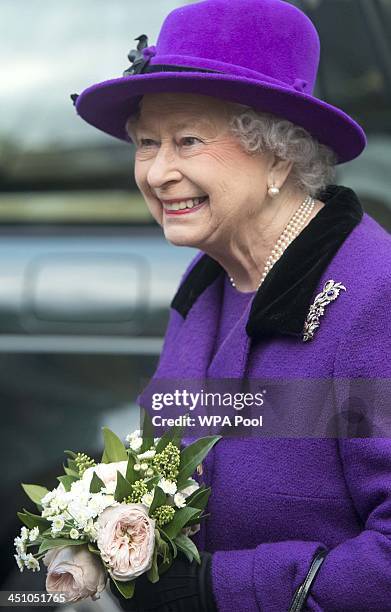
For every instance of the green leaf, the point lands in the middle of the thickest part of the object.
(122, 489)
(153, 572)
(33, 520)
(125, 588)
(171, 435)
(159, 499)
(162, 546)
(71, 454)
(71, 472)
(114, 447)
(196, 519)
(67, 481)
(35, 492)
(131, 475)
(152, 482)
(147, 433)
(193, 455)
(187, 546)
(163, 567)
(171, 542)
(96, 483)
(57, 542)
(199, 498)
(182, 516)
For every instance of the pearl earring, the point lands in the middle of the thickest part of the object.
(273, 191)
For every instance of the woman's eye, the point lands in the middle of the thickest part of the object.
(146, 142)
(189, 141)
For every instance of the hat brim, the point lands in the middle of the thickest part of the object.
(107, 105)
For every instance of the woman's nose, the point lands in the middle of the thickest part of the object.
(163, 169)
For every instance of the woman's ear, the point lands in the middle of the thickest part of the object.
(279, 171)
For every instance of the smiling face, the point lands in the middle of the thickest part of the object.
(199, 183)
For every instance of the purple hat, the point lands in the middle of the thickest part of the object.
(260, 53)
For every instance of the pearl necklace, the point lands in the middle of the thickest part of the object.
(291, 231)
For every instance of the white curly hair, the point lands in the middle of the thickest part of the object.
(313, 163)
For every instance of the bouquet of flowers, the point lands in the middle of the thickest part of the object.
(125, 516)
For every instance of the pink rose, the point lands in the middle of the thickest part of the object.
(126, 539)
(107, 472)
(74, 571)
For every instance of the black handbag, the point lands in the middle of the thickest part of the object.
(302, 592)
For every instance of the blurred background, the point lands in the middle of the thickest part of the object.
(86, 277)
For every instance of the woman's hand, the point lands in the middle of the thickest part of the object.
(184, 586)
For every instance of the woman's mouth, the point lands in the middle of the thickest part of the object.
(184, 207)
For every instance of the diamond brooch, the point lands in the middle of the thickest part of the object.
(331, 291)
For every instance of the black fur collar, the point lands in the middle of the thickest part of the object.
(282, 302)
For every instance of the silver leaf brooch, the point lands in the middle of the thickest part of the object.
(330, 293)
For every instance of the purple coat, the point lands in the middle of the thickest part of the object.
(275, 501)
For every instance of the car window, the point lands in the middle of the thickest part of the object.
(355, 66)
(54, 167)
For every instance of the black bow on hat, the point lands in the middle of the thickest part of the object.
(136, 57)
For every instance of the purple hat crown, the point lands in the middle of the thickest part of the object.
(267, 39)
(259, 53)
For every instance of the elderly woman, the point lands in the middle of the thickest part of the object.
(234, 156)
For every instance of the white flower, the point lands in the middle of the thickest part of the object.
(46, 499)
(135, 440)
(88, 526)
(144, 466)
(20, 562)
(80, 488)
(66, 515)
(34, 533)
(74, 534)
(46, 512)
(149, 454)
(110, 488)
(135, 444)
(137, 467)
(190, 489)
(135, 434)
(80, 514)
(168, 486)
(147, 499)
(57, 524)
(108, 492)
(55, 501)
(60, 498)
(31, 562)
(99, 502)
(107, 472)
(91, 530)
(20, 545)
(24, 534)
(179, 500)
